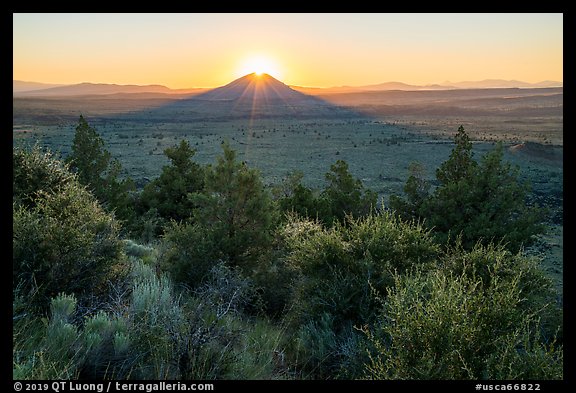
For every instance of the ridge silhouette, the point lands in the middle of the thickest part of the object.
(252, 87)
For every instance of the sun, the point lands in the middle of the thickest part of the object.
(259, 65)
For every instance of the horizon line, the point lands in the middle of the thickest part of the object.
(446, 84)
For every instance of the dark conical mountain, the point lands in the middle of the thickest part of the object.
(249, 97)
(254, 88)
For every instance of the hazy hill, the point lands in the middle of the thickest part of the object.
(100, 89)
(260, 88)
(23, 86)
(388, 86)
(499, 83)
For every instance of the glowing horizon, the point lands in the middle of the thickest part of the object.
(313, 50)
(259, 64)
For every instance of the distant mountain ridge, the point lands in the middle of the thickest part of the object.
(500, 83)
(247, 86)
(22, 86)
(87, 88)
(483, 84)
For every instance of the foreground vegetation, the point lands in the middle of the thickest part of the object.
(208, 274)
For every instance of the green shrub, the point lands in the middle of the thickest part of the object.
(65, 243)
(387, 239)
(52, 348)
(137, 250)
(260, 353)
(336, 271)
(190, 253)
(152, 332)
(493, 263)
(157, 319)
(61, 345)
(340, 266)
(316, 344)
(227, 289)
(221, 342)
(343, 196)
(107, 347)
(147, 226)
(447, 326)
(65, 351)
(36, 171)
(523, 355)
(201, 335)
(273, 279)
(318, 352)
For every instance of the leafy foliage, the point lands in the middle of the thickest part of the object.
(416, 190)
(36, 171)
(443, 325)
(339, 268)
(168, 193)
(99, 171)
(479, 201)
(189, 253)
(344, 195)
(236, 210)
(234, 222)
(294, 197)
(63, 240)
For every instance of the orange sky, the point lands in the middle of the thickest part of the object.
(322, 50)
